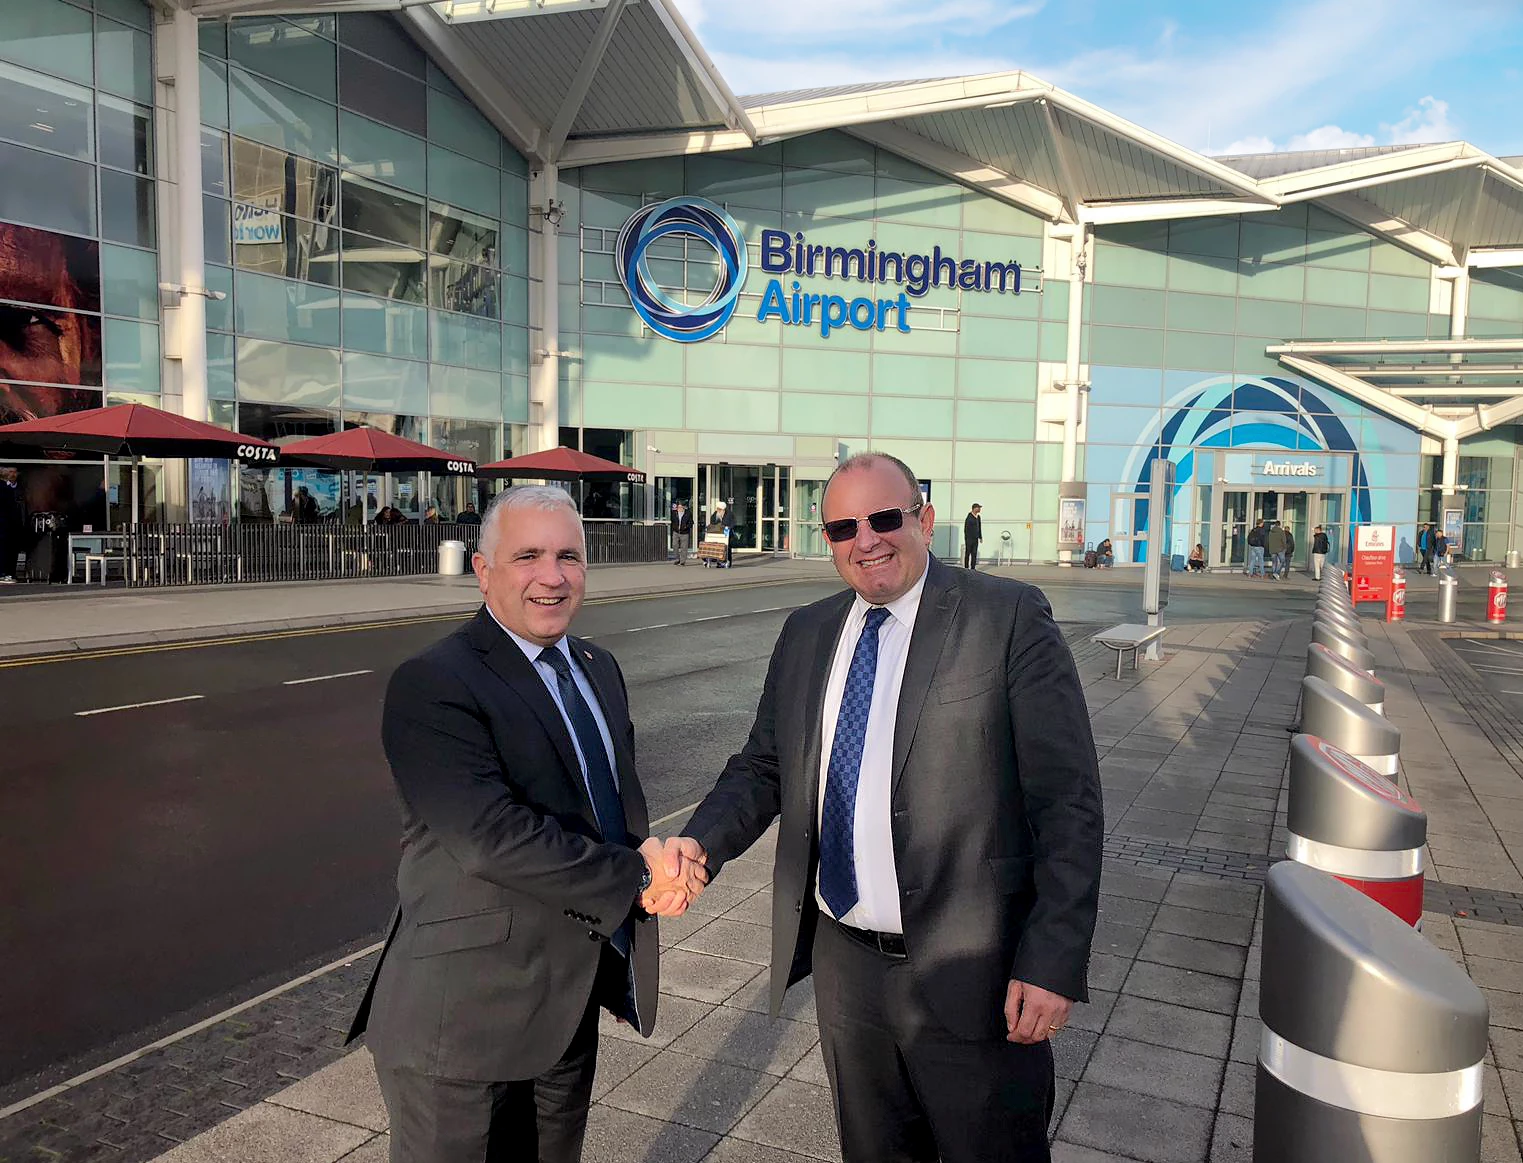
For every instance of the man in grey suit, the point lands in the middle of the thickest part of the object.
(925, 741)
(525, 861)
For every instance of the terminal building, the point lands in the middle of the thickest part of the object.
(501, 225)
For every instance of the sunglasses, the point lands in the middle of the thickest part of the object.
(883, 521)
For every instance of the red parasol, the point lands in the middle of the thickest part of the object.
(371, 450)
(561, 464)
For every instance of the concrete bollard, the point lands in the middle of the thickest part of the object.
(1351, 822)
(1347, 723)
(1372, 1040)
(1346, 676)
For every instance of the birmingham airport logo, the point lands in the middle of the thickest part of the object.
(695, 218)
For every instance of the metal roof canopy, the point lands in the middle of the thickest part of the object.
(585, 82)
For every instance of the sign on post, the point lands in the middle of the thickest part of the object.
(1374, 562)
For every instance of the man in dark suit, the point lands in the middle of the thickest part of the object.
(925, 740)
(972, 534)
(522, 863)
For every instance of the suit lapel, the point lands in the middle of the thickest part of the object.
(814, 699)
(615, 714)
(938, 607)
(507, 662)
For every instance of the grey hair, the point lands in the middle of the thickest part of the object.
(546, 497)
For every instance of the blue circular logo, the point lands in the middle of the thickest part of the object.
(695, 218)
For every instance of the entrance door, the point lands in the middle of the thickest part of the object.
(774, 508)
(1232, 545)
(1293, 512)
(1124, 534)
(808, 538)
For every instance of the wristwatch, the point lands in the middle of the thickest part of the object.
(645, 880)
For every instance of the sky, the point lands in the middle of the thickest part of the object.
(1216, 77)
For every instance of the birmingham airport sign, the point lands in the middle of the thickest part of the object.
(783, 255)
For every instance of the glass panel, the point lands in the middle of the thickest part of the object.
(378, 36)
(129, 282)
(458, 391)
(381, 212)
(220, 384)
(47, 35)
(385, 326)
(460, 339)
(132, 356)
(37, 110)
(124, 61)
(126, 205)
(281, 117)
(133, 12)
(390, 385)
(461, 235)
(457, 286)
(459, 127)
(285, 51)
(381, 152)
(46, 346)
(275, 180)
(126, 135)
(382, 93)
(283, 309)
(216, 230)
(214, 99)
(285, 373)
(381, 268)
(460, 181)
(214, 178)
(275, 244)
(46, 190)
(219, 312)
(213, 38)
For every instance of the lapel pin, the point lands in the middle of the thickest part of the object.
(587, 654)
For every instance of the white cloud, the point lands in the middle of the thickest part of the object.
(1429, 122)
(1250, 145)
(1329, 137)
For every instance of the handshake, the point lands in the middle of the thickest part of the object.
(678, 872)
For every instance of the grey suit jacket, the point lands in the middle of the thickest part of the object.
(997, 818)
(507, 893)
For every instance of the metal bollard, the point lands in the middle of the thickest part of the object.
(1396, 604)
(1448, 596)
(1373, 1039)
(1335, 597)
(1351, 822)
(1346, 676)
(1338, 617)
(1349, 633)
(1345, 722)
(1343, 645)
(1496, 598)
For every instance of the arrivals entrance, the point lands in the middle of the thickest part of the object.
(1300, 512)
(756, 497)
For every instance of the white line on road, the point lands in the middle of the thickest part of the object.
(1497, 669)
(135, 706)
(179, 1035)
(673, 815)
(638, 629)
(325, 677)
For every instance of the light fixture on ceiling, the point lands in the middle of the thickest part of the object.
(554, 212)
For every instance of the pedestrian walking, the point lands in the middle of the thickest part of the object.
(1440, 547)
(972, 534)
(12, 525)
(682, 531)
(1274, 546)
(924, 738)
(1255, 566)
(524, 866)
(1319, 550)
(1425, 548)
(1290, 551)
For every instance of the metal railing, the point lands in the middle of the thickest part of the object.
(172, 555)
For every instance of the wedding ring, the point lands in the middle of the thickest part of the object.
(1054, 1029)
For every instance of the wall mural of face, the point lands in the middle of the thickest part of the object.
(49, 349)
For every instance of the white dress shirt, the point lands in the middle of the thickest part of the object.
(877, 904)
(547, 675)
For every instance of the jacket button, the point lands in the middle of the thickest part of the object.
(798, 906)
(592, 936)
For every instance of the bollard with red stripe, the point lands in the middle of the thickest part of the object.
(1496, 598)
(1348, 820)
(1396, 604)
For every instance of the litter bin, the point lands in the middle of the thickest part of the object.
(1514, 558)
(1373, 1039)
(451, 558)
(1448, 595)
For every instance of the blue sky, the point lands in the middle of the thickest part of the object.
(1215, 76)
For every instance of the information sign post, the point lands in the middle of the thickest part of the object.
(1160, 531)
(1374, 562)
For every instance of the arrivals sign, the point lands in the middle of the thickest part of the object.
(1374, 562)
(792, 297)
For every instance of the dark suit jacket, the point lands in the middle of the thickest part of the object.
(507, 893)
(683, 522)
(997, 819)
(972, 529)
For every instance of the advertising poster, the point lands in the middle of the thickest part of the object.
(49, 349)
(211, 492)
(1071, 521)
(1454, 530)
(1374, 562)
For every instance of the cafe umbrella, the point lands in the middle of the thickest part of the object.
(369, 450)
(561, 464)
(133, 431)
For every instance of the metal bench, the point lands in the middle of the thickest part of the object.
(1131, 636)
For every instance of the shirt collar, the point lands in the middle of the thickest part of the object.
(901, 609)
(532, 650)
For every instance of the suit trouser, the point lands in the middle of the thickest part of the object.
(970, 555)
(446, 1120)
(906, 1089)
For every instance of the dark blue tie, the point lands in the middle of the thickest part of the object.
(838, 860)
(606, 804)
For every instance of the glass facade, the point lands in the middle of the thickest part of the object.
(368, 230)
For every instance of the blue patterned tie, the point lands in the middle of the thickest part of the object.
(838, 860)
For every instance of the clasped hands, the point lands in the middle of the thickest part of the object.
(678, 873)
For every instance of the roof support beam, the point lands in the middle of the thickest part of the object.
(1071, 194)
(465, 67)
(1368, 216)
(704, 68)
(1487, 418)
(1498, 257)
(586, 73)
(594, 151)
(995, 182)
(1155, 210)
(1347, 347)
(1372, 170)
(1311, 192)
(1393, 406)
(847, 110)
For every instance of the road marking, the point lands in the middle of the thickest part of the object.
(180, 1035)
(638, 629)
(1497, 669)
(135, 706)
(325, 677)
(654, 823)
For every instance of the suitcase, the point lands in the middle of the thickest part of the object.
(1091, 559)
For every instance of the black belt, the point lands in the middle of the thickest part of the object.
(888, 944)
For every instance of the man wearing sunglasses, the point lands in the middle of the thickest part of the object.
(925, 740)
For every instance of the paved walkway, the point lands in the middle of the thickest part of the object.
(1159, 1067)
